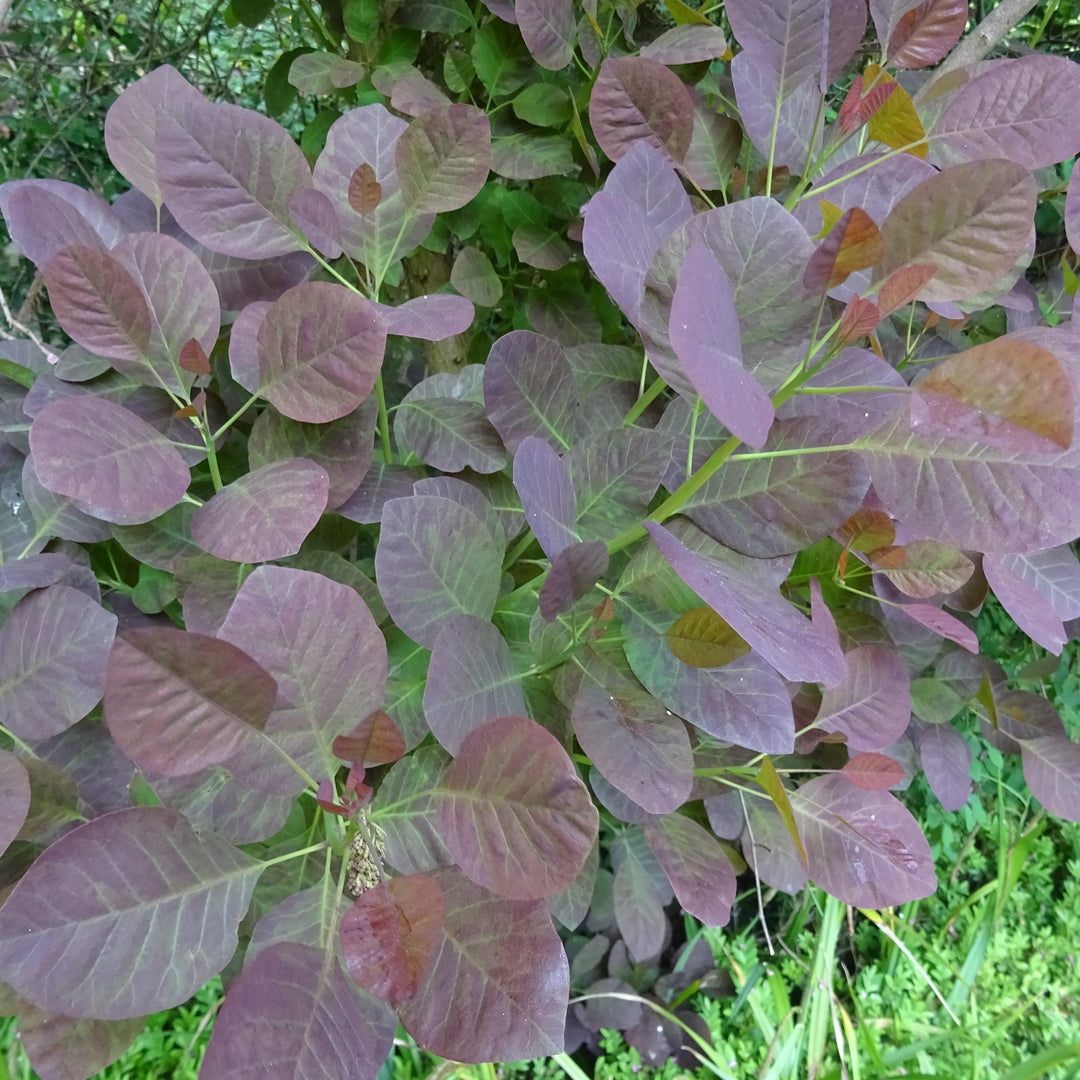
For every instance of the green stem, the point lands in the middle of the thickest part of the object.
(17, 741)
(765, 454)
(383, 422)
(235, 416)
(656, 388)
(518, 549)
(294, 854)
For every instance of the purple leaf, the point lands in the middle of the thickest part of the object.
(800, 40)
(863, 847)
(435, 559)
(639, 910)
(705, 335)
(228, 174)
(775, 506)
(471, 679)
(34, 572)
(313, 211)
(319, 350)
(697, 867)
(941, 622)
(14, 797)
(318, 640)
(76, 364)
(1054, 572)
(57, 515)
(886, 14)
(264, 515)
(443, 158)
(42, 223)
(972, 492)
(431, 318)
(644, 175)
(369, 135)
(636, 743)
(542, 481)
(572, 904)
(1030, 610)
(183, 306)
(946, 759)
(53, 650)
(549, 30)
(636, 99)
(99, 303)
(467, 495)
(295, 1004)
(177, 702)
(619, 246)
(513, 811)
(117, 466)
(971, 222)
(743, 702)
(689, 44)
(381, 483)
(477, 958)
(404, 808)
(873, 772)
(131, 124)
(769, 848)
(1052, 771)
(390, 934)
(163, 542)
(105, 947)
(614, 476)
(63, 1048)
(529, 390)
(798, 129)
(211, 799)
(323, 73)
(303, 918)
(442, 421)
(574, 571)
(927, 33)
(240, 282)
(871, 705)
(1018, 110)
(714, 147)
(733, 587)
(342, 447)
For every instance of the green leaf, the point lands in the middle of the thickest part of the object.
(769, 779)
(440, 16)
(544, 105)
(278, 92)
(251, 12)
(499, 55)
(361, 18)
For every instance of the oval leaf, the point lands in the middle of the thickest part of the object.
(697, 867)
(264, 515)
(513, 811)
(89, 929)
(700, 638)
(443, 158)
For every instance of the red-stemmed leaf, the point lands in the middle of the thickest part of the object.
(863, 847)
(294, 1011)
(264, 515)
(697, 867)
(390, 934)
(176, 702)
(89, 928)
(873, 772)
(478, 958)
(513, 811)
(53, 650)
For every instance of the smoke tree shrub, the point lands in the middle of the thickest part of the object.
(667, 574)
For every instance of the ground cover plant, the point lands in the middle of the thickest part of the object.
(558, 484)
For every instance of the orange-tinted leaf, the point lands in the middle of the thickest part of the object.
(376, 740)
(702, 639)
(896, 123)
(854, 243)
(859, 318)
(605, 610)
(930, 568)
(902, 286)
(858, 109)
(193, 358)
(365, 192)
(867, 530)
(873, 772)
(186, 412)
(769, 779)
(924, 35)
(841, 564)
(889, 556)
(1011, 379)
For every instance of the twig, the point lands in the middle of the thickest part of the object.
(14, 323)
(987, 34)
